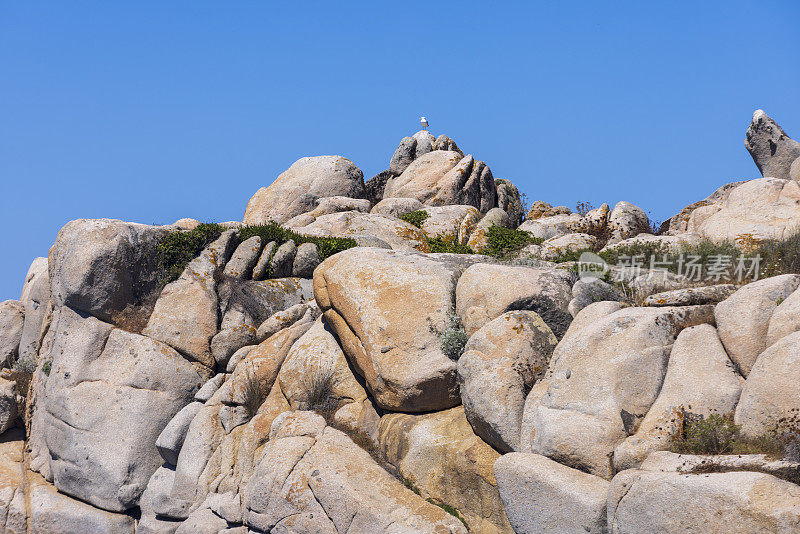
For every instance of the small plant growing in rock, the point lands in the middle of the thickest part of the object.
(27, 365)
(255, 391)
(582, 208)
(454, 338)
(318, 383)
(326, 246)
(415, 218)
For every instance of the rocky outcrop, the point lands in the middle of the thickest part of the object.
(442, 458)
(98, 371)
(479, 299)
(388, 309)
(388, 230)
(312, 478)
(12, 322)
(593, 403)
(543, 496)
(772, 150)
(500, 364)
(104, 266)
(445, 177)
(297, 189)
(38, 305)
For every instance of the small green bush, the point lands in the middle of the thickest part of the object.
(449, 509)
(326, 246)
(440, 245)
(505, 241)
(454, 338)
(26, 365)
(176, 249)
(416, 217)
(718, 434)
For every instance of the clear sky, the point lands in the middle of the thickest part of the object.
(153, 111)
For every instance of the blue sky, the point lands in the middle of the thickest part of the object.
(153, 111)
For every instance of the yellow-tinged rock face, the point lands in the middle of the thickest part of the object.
(388, 309)
(443, 458)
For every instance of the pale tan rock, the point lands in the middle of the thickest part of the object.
(543, 496)
(186, 224)
(388, 309)
(766, 208)
(397, 207)
(785, 319)
(320, 481)
(626, 221)
(546, 227)
(500, 364)
(479, 239)
(649, 501)
(668, 243)
(556, 246)
(298, 188)
(771, 395)
(700, 380)
(480, 298)
(451, 223)
(743, 318)
(537, 209)
(691, 296)
(440, 455)
(442, 178)
(594, 401)
(399, 234)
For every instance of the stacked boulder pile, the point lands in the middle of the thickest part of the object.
(269, 388)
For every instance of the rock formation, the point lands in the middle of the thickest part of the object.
(411, 354)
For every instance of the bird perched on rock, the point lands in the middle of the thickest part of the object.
(424, 122)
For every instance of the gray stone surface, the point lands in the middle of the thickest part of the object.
(772, 150)
(12, 322)
(103, 266)
(170, 440)
(500, 364)
(305, 261)
(543, 496)
(282, 262)
(244, 259)
(36, 299)
(262, 266)
(109, 395)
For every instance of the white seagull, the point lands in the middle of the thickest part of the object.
(424, 122)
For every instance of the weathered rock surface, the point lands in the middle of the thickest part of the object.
(691, 296)
(479, 298)
(556, 246)
(399, 234)
(543, 496)
(554, 226)
(36, 299)
(510, 201)
(771, 395)
(452, 223)
(12, 322)
(109, 395)
(652, 501)
(442, 457)
(305, 261)
(500, 364)
(479, 239)
(411, 148)
(772, 150)
(785, 319)
(626, 221)
(299, 187)
(397, 207)
(445, 177)
(594, 402)
(313, 478)
(766, 208)
(103, 266)
(388, 309)
(244, 259)
(589, 290)
(700, 380)
(743, 318)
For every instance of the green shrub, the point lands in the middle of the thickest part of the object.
(416, 217)
(26, 365)
(452, 246)
(718, 434)
(176, 249)
(454, 338)
(505, 241)
(449, 509)
(326, 246)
